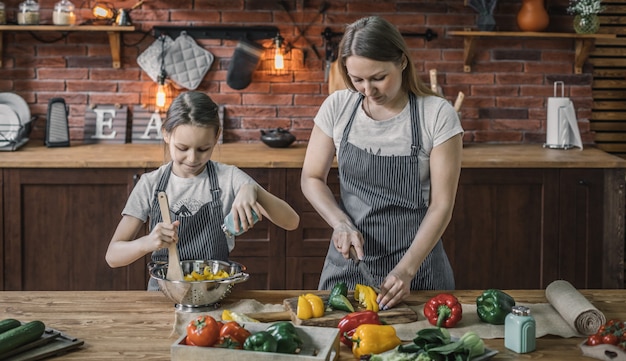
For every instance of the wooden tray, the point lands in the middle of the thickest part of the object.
(399, 314)
(51, 343)
(319, 344)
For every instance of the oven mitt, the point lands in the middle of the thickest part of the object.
(243, 63)
(150, 59)
(186, 63)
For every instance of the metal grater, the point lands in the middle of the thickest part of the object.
(57, 129)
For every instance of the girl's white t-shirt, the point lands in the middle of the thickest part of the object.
(186, 195)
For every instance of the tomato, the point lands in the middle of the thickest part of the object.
(233, 335)
(594, 340)
(610, 339)
(203, 331)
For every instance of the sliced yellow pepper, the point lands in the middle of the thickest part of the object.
(366, 296)
(309, 306)
(228, 315)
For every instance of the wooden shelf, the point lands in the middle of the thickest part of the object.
(114, 32)
(584, 43)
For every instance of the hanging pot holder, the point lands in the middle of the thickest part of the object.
(186, 63)
(150, 59)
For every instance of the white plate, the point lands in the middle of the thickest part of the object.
(18, 104)
(9, 125)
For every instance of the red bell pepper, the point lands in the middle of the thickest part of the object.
(443, 310)
(348, 324)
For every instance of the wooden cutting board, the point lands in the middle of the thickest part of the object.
(399, 314)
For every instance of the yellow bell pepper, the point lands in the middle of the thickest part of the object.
(373, 339)
(309, 306)
(366, 296)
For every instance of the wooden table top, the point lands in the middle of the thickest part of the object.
(138, 325)
(258, 155)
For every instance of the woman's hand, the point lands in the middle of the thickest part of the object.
(346, 235)
(162, 236)
(395, 287)
(245, 202)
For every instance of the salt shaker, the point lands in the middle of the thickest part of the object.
(520, 330)
(229, 224)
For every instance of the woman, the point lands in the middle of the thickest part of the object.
(200, 193)
(398, 147)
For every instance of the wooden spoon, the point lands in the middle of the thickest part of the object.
(174, 271)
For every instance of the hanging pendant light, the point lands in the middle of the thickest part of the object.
(160, 92)
(278, 57)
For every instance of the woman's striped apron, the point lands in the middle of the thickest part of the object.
(383, 197)
(200, 236)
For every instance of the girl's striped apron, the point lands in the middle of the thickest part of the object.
(383, 197)
(200, 236)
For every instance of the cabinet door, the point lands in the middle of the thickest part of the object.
(307, 245)
(504, 229)
(58, 226)
(581, 246)
(262, 249)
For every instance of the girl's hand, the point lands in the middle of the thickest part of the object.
(395, 287)
(245, 202)
(163, 235)
(346, 235)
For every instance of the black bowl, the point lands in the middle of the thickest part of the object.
(277, 138)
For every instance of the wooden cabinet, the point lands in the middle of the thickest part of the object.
(57, 227)
(262, 249)
(524, 228)
(512, 227)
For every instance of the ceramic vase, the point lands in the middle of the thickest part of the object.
(533, 16)
(588, 24)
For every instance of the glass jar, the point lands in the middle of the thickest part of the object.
(3, 18)
(520, 330)
(63, 13)
(28, 13)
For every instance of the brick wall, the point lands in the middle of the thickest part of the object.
(506, 92)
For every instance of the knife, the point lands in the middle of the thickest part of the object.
(364, 269)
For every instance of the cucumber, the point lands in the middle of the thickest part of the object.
(8, 324)
(21, 335)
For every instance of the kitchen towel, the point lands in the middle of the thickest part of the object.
(150, 59)
(574, 307)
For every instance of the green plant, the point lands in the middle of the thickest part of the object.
(585, 7)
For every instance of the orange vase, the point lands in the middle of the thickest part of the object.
(533, 16)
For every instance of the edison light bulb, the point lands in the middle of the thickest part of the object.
(279, 61)
(161, 96)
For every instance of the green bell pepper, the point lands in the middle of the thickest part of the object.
(286, 336)
(338, 300)
(493, 305)
(261, 341)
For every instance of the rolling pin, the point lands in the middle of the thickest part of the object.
(459, 101)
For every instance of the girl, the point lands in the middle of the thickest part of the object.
(201, 192)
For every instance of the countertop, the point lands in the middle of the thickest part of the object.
(258, 155)
(138, 325)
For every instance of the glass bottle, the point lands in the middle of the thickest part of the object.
(3, 18)
(520, 330)
(229, 224)
(63, 13)
(28, 13)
